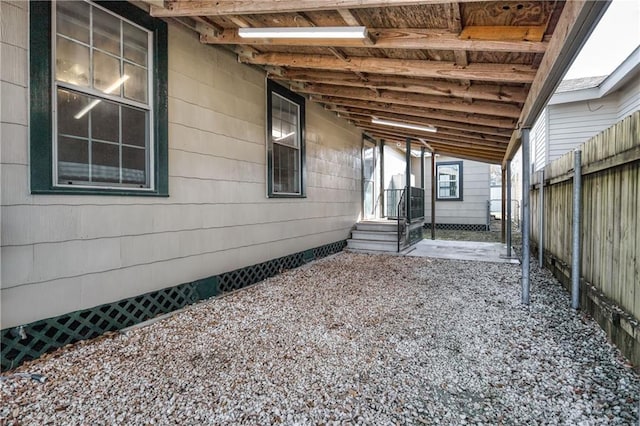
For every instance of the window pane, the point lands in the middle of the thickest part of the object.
(105, 162)
(105, 122)
(286, 176)
(134, 126)
(134, 162)
(72, 62)
(70, 105)
(73, 160)
(106, 73)
(73, 20)
(284, 121)
(135, 87)
(135, 44)
(106, 31)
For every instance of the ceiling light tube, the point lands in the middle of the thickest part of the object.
(95, 102)
(392, 123)
(304, 32)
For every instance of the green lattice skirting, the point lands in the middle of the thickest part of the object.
(20, 344)
(458, 226)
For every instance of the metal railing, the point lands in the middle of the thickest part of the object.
(391, 199)
(399, 216)
(416, 203)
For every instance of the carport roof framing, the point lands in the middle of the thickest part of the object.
(478, 71)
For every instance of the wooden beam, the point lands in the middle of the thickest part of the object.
(499, 109)
(454, 19)
(482, 132)
(576, 22)
(348, 17)
(489, 92)
(504, 33)
(386, 38)
(251, 7)
(490, 140)
(443, 149)
(430, 137)
(473, 119)
(506, 73)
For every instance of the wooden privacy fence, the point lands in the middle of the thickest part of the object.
(610, 228)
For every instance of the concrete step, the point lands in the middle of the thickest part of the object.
(369, 245)
(390, 226)
(375, 235)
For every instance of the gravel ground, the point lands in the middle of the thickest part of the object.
(350, 339)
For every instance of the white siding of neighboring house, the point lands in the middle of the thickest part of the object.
(538, 140)
(572, 124)
(475, 192)
(629, 99)
(62, 253)
(395, 168)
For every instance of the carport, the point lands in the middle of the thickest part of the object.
(476, 72)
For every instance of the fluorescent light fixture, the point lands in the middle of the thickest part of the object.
(392, 123)
(95, 102)
(303, 32)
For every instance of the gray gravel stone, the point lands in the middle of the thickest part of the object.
(351, 339)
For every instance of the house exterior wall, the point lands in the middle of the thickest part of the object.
(472, 210)
(395, 169)
(62, 253)
(629, 99)
(538, 140)
(571, 124)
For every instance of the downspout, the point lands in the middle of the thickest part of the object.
(576, 241)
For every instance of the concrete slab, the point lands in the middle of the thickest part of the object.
(462, 250)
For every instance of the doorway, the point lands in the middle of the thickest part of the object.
(369, 187)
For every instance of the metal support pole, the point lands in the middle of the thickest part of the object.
(576, 244)
(433, 195)
(503, 211)
(422, 167)
(383, 212)
(541, 221)
(509, 208)
(407, 195)
(526, 219)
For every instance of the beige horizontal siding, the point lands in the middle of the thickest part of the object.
(62, 253)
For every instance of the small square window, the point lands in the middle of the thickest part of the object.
(449, 181)
(285, 142)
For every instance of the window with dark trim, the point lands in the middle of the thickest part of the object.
(285, 142)
(98, 99)
(449, 181)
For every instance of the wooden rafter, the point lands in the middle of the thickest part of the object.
(487, 92)
(493, 140)
(499, 109)
(251, 7)
(474, 119)
(403, 38)
(510, 73)
(480, 131)
(431, 137)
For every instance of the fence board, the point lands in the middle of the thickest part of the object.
(610, 208)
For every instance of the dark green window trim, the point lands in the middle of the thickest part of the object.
(300, 101)
(40, 122)
(460, 180)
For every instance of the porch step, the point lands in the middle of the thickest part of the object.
(378, 226)
(372, 245)
(375, 235)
